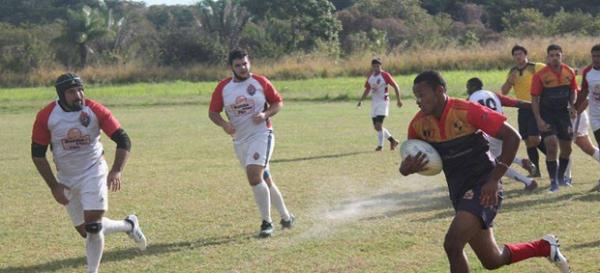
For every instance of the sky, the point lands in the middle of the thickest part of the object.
(169, 2)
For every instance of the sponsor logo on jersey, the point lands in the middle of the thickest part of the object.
(75, 140)
(468, 195)
(84, 118)
(242, 106)
(256, 156)
(251, 90)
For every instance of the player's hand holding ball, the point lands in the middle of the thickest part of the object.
(413, 164)
(420, 157)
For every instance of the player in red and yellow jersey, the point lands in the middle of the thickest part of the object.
(455, 129)
(554, 91)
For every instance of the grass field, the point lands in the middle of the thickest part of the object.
(355, 212)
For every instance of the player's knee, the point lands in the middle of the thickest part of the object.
(491, 265)
(93, 228)
(452, 246)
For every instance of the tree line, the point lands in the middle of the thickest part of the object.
(75, 34)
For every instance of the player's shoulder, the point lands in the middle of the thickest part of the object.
(46, 110)
(586, 70)
(260, 78)
(459, 104)
(92, 103)
(538, 66)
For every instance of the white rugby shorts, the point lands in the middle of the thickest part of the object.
(257, 150)
(89, 192)
(380, 109)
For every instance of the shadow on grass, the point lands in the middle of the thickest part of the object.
(125, 254)
(583, 245)
(275, 161)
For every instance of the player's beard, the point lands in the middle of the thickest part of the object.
(240, 78)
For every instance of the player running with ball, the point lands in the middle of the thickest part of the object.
(455, 128)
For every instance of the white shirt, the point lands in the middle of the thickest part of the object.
(242, 100)
(378, 86)
(74, 136)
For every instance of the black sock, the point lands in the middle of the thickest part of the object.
(534, 156)
(551, 166)
(597, 136)
(542, 147)
(562, 167)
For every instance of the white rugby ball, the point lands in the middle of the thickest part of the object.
(413, 146)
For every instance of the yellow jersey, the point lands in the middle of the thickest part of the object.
(522, 84)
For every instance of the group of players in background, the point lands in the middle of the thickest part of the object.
(475, 142)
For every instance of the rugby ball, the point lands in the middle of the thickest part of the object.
(413, 146)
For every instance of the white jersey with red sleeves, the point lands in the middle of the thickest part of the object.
(74, 136)
(488, 99)
(591, 81)
(377, 84)
(242, 100)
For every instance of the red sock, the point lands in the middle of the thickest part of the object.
(522, 251)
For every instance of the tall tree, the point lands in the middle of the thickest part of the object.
(81, 28)
(224, 18)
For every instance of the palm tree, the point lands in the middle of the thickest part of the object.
(81, 28)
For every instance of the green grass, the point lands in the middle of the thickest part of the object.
(355, 212)
(145, 94)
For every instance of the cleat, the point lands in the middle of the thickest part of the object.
(553, 186)
(529, 166)
(532, 186)
(393, 144)
(568, 181)
(266, 229)
(288, 223)
(556, 257)
(136, 233)
(378, 149)
(536, 173)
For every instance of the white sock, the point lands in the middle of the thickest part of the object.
(568, 170)
(518, 161)
(386, 133)
(277, 200)
(94, 246)
(380, 138)
(511, 173)
(111, 226)
(263, 200)
(596, 155)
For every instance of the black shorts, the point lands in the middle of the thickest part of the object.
(560, 124)
(470, 203)
(527, 124)
(378, 119)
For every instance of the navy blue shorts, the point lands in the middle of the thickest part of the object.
(560, 124)
(527, 124)
(470, 203)
(378, 119)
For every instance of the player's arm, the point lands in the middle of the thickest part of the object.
(217, 119)
(273, 109)
(582, 98)
(573, 97)
(38, 155)
(123, 142)
(510, 144)
(509, 83)
(363, 97)
(536, 92)
(511, 102)
(389, 80)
